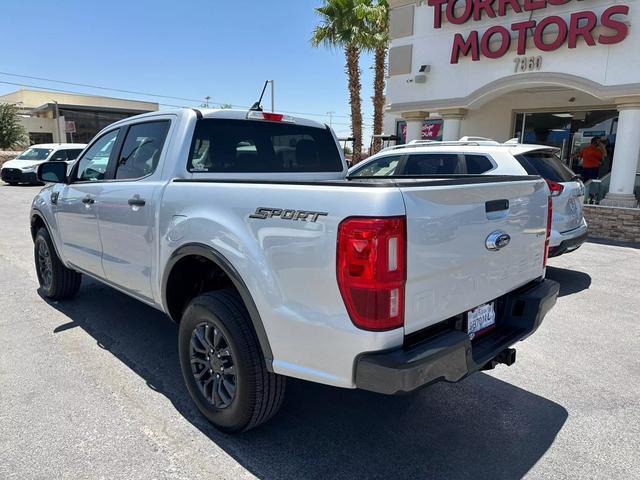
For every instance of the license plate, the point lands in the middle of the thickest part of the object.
(481, 319)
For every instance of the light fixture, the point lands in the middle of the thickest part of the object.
(563, 115)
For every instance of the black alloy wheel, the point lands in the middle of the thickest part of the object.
(45, 267)
(212, 365)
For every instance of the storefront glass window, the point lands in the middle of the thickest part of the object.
(89, 123)
(571, 132)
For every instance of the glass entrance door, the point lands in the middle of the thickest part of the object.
(571, 132)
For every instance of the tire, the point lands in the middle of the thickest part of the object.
(57, 282)
(246, 393)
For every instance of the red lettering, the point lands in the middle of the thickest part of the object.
(539, 34)
(451, 12)
(437, 12)
(502, 6)
(576, 30)
(621, 28)
(530, 5)
(557, 2)
(523, 29)
(483, 5)
(505, 44)
(463, 47)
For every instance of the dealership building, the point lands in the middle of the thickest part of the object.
(50, 116)
(550, 72)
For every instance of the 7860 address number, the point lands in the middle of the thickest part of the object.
(527, 64)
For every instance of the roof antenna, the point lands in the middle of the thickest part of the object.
(257, 107)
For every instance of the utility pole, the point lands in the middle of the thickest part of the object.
(55, 102)
(331, 114)
(206, 101)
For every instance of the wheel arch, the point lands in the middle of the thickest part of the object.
(210, 254)
(38, 221)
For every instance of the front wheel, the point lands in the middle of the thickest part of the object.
(223, 366)
(56, 281)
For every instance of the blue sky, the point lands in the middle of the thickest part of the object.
(188, 48)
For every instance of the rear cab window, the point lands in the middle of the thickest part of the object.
(241, 146)
(547, 164)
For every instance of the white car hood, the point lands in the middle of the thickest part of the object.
(21, 164)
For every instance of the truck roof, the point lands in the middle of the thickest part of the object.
(230, 114)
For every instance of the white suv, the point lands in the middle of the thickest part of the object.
(476, 155)
(22, 169)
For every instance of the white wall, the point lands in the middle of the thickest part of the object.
(495, 119)
(607, 65)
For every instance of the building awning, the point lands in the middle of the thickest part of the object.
(88, 108)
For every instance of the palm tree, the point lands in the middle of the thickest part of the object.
(343, 26)
(377, 16)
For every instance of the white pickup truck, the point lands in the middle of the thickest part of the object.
(244, 228)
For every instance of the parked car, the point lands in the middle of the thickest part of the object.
(480, 156)
(22, 169)
(243, 228)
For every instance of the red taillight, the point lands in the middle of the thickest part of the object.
(371, 270)
(555, 188)
(548, 234)
(273, 117)
(269, 116)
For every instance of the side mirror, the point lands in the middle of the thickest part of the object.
(52, 172)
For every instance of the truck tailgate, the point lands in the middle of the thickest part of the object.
(450, 270)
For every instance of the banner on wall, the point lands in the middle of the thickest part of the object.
(431, 130)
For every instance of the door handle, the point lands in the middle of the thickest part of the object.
(137, 201)
(88, 200)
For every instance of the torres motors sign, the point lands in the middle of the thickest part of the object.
(549, 34)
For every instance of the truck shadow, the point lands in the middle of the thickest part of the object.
(571, 281)
(479, 428)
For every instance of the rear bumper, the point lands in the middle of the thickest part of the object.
(568, 245)
(558, 238)
(451, 355)
(14, 175)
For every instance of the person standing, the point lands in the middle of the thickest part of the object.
(592, 157)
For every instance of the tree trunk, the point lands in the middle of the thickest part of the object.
(379, 98)
(352, 54)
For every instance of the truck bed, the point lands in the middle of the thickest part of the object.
(289, 266)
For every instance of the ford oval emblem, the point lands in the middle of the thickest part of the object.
(497, 240)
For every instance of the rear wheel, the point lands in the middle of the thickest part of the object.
(56, 281)
(223, 366)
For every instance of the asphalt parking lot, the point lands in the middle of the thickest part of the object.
(92, 389)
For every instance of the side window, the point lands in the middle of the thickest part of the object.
(73, 154)
(382, 167)
(141, 150)
(434, 164)
(59, 156)
(93, 165)
(200, 157)
(478, 164)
